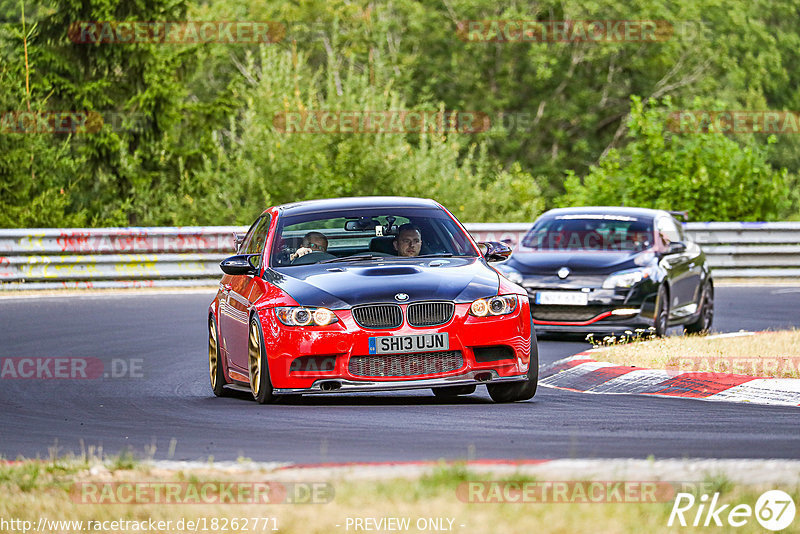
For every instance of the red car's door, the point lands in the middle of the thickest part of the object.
(235, 320)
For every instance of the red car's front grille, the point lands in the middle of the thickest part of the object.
(429, 313)
(420, 363)
(378, 316)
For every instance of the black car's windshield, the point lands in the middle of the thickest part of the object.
(367, 235)
(591, 232)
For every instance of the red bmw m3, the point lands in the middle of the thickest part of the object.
(368, 294)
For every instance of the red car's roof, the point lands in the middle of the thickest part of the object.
(332, 204)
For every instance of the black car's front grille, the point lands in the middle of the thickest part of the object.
(429, 313)
(378, 316)
(420, 363)
(551, 312)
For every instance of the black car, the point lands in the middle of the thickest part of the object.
(611, 269)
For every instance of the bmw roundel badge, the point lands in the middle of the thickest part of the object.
(402, 297)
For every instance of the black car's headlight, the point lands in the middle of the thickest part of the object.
(305, 316)
(511, 273)
(625, 279)
(500, 305)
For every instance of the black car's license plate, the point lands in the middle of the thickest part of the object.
(564, 298)
(411, 343)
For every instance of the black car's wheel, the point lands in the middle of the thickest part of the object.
(453, 391)
(519, 391)
(215, 371)
(260, 384)
(661, 318)
(706, 316)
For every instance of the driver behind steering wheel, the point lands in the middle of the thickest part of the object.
(312, 242)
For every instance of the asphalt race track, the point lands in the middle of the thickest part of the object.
(161, 341)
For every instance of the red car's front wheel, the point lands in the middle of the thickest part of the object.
(260, 384)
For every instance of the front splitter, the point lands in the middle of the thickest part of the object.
(351, 386)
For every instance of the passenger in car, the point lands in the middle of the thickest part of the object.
(312, 242)
(408, 241)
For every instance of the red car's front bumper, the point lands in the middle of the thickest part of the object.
(336, 358)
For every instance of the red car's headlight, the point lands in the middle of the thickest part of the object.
(303, 316)
(500, 305)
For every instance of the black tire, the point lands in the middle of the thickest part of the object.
(519, 391)
(215, 371)
(661, 319)
(258, 370)
(706, 316)
(453, 391)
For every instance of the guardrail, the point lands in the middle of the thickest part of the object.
(190, 256)
(113, 257)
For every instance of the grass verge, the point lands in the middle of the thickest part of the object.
(767, 354)
(35, 490)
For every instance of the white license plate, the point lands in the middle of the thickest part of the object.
(569, 298)
(413, 343)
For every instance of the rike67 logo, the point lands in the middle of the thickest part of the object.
(774, 510)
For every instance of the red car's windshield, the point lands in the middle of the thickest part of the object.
(367, 232)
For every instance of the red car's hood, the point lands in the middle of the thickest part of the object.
(345, 284)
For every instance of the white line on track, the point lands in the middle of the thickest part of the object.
(745, 471)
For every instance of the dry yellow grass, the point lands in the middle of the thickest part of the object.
(767, 354)
(39, 490)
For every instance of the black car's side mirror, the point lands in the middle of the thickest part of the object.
(494, 250)
(676, 247)
(241, 264)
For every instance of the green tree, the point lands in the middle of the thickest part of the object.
(708, 174)
(255, 163)
(35, 169)
(114, 175)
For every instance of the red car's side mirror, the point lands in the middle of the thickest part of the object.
(241, 264)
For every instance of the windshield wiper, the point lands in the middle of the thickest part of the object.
(355, 258)
(437, 255)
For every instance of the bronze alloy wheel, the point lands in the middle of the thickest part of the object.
(213, 354)
(254, 358)
(215, 370)
(260, 384)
